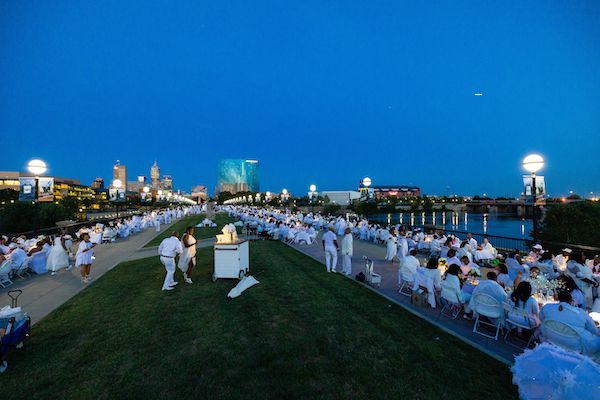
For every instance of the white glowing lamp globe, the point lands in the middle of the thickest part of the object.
(268, 194)
(37, 167)
(313, 188)
(160, 192)
(284, 191)
(366, 182)
(117, 183)
(146, 189)
(533, 163)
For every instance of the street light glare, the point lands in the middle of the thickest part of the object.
(533, 163)
(366, 181)
(37, 167)
(313, 188)
(117, 183)
(284, 191)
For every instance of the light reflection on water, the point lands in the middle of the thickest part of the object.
(493, 224)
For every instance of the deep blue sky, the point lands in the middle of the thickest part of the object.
(318, 91)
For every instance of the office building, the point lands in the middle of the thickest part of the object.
(98, 184)
(399, 191)
(200, 193)
(155, 175)
(120, 173)
(238, 175)
(167, 182)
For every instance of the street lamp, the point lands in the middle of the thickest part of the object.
(311, 194)
(37, 168)
(117, 184)
(533, 163)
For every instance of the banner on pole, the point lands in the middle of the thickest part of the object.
(540, 192)
(46, 189)
(26, 189)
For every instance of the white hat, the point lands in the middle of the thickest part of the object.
(5, 237)
(12, 246)
(538, 247)
(566, 250)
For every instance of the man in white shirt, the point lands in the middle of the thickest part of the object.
(408, 265)
(471, 242)
(330, 246)
(168, 249)
(490, 287)
(347, 252)
(452, 259)
(3, 247)
(17, 256)
(562, 259)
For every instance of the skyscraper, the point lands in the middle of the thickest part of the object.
(120, 173)
(98, 183)
(155, 175)
(238, 175)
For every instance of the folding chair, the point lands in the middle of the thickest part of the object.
(562, 335)
(408, 280)
(4, 274)
(21, 270)
(517, 318)
(451, 304)
(487, 306)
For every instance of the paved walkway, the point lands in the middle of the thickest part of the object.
(42, 294)
(461, 328)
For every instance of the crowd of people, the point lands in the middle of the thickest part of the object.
(528, 288)
(21, 256)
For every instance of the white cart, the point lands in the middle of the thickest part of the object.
(231, 260)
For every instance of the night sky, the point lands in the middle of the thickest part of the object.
(322, 92)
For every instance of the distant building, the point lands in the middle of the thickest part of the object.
(341, 197)
(120, 173)
(238, 175)
(167, 182)
(63, 187)
(135, 186)
(155, 175)
(98, 184)
(141, 178)
(400, 191)
(200, 192)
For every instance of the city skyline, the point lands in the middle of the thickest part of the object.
(448, 98)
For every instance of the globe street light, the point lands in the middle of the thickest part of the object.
(37, 168)
(533, 163)
(366, 182)
(117, 184)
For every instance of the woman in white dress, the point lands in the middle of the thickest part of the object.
(187, 260)
(392, 246)
(58, 258)
(83, 259)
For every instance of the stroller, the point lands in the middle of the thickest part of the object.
(17, 330)
(371, 278)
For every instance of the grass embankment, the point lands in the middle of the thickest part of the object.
(300, 333)
(220, 219)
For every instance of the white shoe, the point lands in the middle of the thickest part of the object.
(168, 288)
(188, 280)
(53, 273)
(69, 267)
(174, 283)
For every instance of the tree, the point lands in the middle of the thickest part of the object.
(25, 216)
(331, 209)
(575, 223)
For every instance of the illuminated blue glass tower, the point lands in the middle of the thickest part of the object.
(238, 175)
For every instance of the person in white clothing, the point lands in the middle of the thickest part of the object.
(84, 257)
(408, 265)
(347, 252)
(58, 257)
(187, 261)
(330, 246)
(168, 249)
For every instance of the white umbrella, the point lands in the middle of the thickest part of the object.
(245, 283)
(549, 372)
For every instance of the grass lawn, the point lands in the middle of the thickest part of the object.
(300, 333)
(220, 219)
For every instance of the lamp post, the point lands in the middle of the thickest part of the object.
(284, 195)
(311, 194)
(533, 163)
(117, 184)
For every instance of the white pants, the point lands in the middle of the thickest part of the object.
(169, 264)
(346, 264)
(157, 226)
(331, 258)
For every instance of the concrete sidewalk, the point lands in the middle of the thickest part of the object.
(460, 328)
(42, 294)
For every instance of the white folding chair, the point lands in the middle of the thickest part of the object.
(408, 280)
(517, 318)
(487, 306)
(561, 335)
(21, 270)
(451, 304)
(4, 274)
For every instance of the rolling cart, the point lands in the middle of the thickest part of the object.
(232, 260)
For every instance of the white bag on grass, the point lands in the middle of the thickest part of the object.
(245, 283)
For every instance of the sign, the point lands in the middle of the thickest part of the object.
(540, 192)
(145, 197)
(46, 189)
(26, 189)
(116, 195)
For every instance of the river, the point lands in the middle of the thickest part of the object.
(487, 224)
